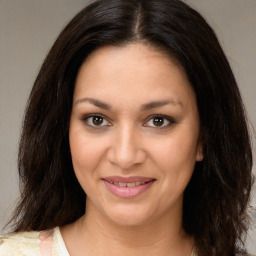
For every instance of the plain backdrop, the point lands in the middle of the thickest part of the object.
(28, 28)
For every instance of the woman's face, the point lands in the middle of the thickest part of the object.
(134, 134)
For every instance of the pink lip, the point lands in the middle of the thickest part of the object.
(127, 179)
(127, 192)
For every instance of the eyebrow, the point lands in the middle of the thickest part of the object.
(144, 107)
(161, 103)
(94, 102)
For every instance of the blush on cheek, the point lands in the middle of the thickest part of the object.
(86, 154)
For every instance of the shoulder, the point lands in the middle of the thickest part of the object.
(31, 243)
(22, 243)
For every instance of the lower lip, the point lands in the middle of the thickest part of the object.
(127, 192)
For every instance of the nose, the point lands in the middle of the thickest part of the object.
(126, 149)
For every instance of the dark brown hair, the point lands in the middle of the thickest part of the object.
(216, 199)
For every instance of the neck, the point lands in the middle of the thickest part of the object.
(101, 236)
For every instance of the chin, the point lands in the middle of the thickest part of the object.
(129, 216)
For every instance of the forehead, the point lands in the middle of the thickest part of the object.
(139, 54)
(137, 71)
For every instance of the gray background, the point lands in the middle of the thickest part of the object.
(28, 28)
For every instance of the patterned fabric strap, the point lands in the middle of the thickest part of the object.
(46, 242)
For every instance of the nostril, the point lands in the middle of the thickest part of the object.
(126, 159)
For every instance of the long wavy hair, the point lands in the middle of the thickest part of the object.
(216, 199)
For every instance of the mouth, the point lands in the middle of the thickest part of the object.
(127, 187)
(128, 184)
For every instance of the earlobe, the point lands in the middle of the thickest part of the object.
(199, 153)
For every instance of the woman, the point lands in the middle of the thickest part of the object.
(135, 139)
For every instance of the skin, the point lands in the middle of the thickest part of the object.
(130, 141)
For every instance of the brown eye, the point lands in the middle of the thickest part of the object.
(158, 121)
(97, 120)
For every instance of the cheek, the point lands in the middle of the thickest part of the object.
(176, 156)
(86, 152)
(176, 151)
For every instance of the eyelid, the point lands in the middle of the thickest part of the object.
(171, 121)
(86, 117)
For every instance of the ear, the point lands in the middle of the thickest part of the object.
(199, 152)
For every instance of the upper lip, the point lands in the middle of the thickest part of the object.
(131, 179)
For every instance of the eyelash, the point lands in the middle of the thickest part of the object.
(87, 118)
(168, 119)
